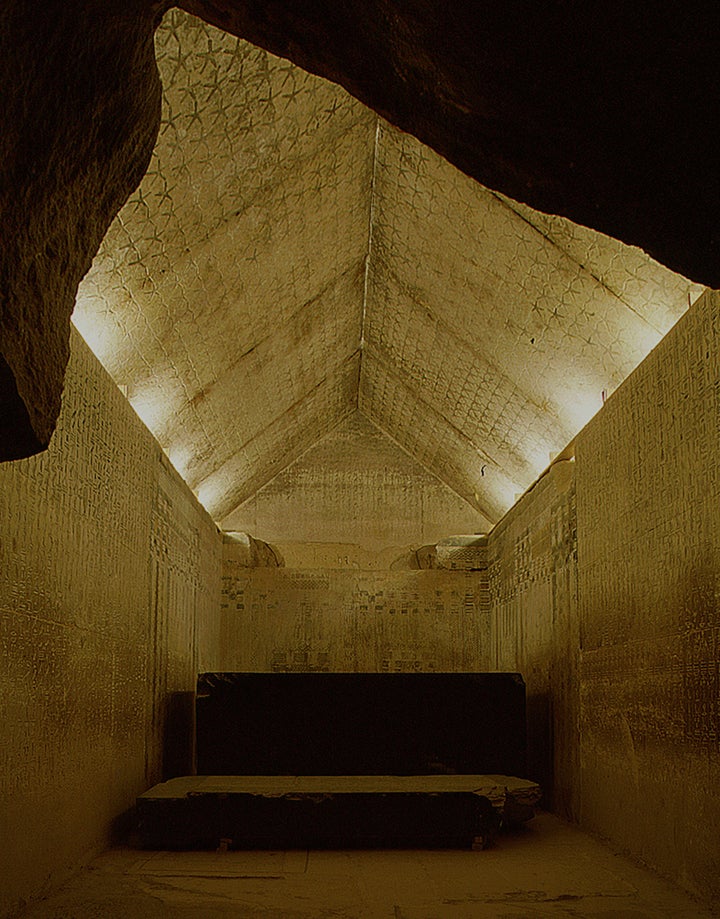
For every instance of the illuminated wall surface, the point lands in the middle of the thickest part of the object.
(358, 488)
(368, 621)
(602, 589)
(109, 587)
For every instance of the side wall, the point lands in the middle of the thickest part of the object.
(109, 583)
(648, 517)
(613, 616)
(533, 589)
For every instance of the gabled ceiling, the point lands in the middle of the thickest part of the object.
(290, 258)
(355, 486)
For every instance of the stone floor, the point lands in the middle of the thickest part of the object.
(547, 869)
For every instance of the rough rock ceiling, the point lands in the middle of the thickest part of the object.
(289, 258)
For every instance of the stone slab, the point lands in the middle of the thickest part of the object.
(331, 811)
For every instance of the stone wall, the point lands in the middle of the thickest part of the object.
(355, 487)
(109, 574)
(282, 619)
(603, 582)
(533, 588)
(81, 111)
(648, 521)
(613, 616)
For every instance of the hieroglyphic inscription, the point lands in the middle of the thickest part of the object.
(404, 621)
(701, 685)
(105, 563)
(648, 490)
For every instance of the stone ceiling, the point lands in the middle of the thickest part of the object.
(291, 258)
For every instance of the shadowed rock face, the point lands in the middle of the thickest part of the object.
(600, 116)
(81, 107)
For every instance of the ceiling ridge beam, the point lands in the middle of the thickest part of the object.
(368, 254)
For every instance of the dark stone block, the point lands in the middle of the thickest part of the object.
(360, 724)
(197, 812)
(179, 735)
(574, 109)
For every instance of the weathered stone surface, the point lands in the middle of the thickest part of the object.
(81, 105)
(374, 621)
(240, 550)
(290, 245)
(648, 580)
(109, 589)
(355, 486)
(578, 117)
(552, 869)
(599, 118)
(316, 812)
(463, 552)
(199, 811)
(534, 628)
(604, 587)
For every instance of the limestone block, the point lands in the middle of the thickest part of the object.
(240, 550)
(468, 553)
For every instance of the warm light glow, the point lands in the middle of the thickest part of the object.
(505, 321)
(152, 408)
(218, 492)
(209, 494)
(507, 496)
(236, 536)
(648, 340)
(577, 408)
(100, 334)
(539, 458)
(492, 487)
(181, 457)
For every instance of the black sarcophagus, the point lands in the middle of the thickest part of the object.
(341, 759)
(360, 723)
